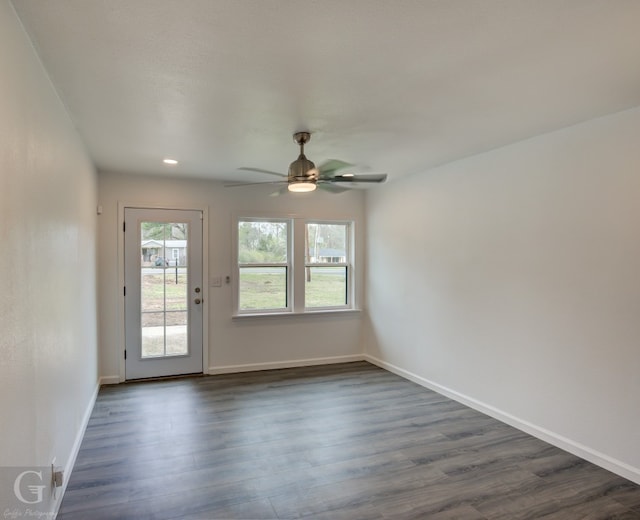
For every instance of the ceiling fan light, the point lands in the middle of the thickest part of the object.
(301, 187)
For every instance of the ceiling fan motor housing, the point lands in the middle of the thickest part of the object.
(302, 169)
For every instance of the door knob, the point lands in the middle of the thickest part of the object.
(197, 301)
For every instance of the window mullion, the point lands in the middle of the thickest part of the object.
(298, 262)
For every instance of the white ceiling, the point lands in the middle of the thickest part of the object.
(396, 86)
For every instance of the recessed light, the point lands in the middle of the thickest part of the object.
(169, 161)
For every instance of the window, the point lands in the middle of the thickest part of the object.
(326, 267)
(263, 265)
(293, 265)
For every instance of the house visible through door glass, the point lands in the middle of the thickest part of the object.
(164, 285)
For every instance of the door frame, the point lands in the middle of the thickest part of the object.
(205, 279)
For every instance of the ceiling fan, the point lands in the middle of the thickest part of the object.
(304, 176)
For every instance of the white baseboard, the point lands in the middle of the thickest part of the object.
(272, 365)
(76, 447)
(109, 380)
(580, 450)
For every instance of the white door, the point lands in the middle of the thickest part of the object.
(163, 292)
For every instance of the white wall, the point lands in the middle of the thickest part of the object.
(48, 352)
(265, 342)
(511, 280)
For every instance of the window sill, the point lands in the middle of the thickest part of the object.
(305, 313)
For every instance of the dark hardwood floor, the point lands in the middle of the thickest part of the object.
(347, 441)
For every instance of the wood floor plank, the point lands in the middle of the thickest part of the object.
(348, 441)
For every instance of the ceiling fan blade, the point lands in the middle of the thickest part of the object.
(237, 184)
(328, 186)
(373, 177)
(279, 192)
(330, 167)
(260, 170)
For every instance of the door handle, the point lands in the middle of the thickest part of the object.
(197, 301)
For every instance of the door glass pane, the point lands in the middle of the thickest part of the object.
(151, 289)
(325, 286)
(176, 333)
(164, 284)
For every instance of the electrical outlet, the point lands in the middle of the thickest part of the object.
(57, 477)
(53, 469)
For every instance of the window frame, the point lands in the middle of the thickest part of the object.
(347, 265)
(287, 265)
(296, 266)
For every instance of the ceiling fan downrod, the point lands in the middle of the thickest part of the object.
(302, 138)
